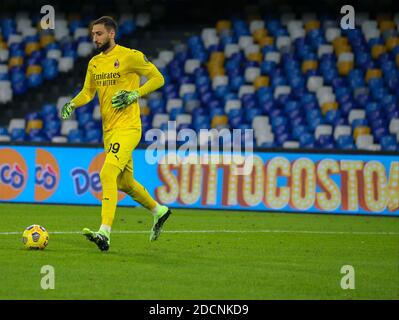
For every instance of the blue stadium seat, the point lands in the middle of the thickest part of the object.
(18, 134)
(388, 143)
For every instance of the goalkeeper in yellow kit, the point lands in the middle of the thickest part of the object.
(115, 74)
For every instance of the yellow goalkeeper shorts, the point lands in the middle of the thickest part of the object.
(119, 145)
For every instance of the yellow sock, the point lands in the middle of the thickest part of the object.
(109, 175)
(133, 188)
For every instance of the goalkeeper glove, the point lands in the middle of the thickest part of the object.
(67, 110)
(123, 98)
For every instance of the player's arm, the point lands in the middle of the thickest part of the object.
(143, 67)
(83, 97)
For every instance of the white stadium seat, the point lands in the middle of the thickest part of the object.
(273, 56)
(294, 25)
(61, 101)
(159, 119)
(143, 19)
(297, 33)
(326, 97)
(219, 81)
(251, 74)
(342, 130)
(4, 54)
(291, 144)
(283, 41)
(279, 90)
(85, 49)
(269, 137)
(394, 126)
(260, 121)
(59, 139)
(323, 49)
(65, 64)
(5, 94)
(332, 33)
(262, 131)
(230, 49)
(16, 123)
(245, 89)
(97, 113)
(364, 141)
(323, 129)
(245, 41)
(190, 105)
(14, 38)
(159, 63)
(173, 104)
(3, 68)
(207, 33)
(374, 147)
(232, 104)
(314, 82)
(183, 119)
(356, 114)
(68, 125)
(346, 56)
(256, 25)
(190, 65)
(80, 32)
(54, 54)
(166, 55)
(252, 48)
(186, 88)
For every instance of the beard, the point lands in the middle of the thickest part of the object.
(104, 47)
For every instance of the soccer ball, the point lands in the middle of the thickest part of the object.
(35, 237)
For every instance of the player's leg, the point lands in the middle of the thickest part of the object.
(133, 188)
(139, 193)
(118, 150)
(108, 175)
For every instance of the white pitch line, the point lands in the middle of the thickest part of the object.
(229, 231)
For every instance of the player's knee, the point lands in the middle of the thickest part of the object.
(126, 184)
(123, 187)
(109, 174)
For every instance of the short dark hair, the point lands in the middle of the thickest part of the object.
(107, 21)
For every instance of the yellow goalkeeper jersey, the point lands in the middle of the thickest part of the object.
(119, 69)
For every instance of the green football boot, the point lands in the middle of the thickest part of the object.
(159, 220)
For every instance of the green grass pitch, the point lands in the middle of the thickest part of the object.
(201, 254)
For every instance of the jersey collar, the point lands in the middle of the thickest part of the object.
(111, 52)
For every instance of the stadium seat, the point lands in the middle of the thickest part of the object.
(363, 141)
(394, 126)
(323, 130)
(16, 124)
(389, 143)
(17, 134)
(67, 126)
(159, 119)
(59, 139)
